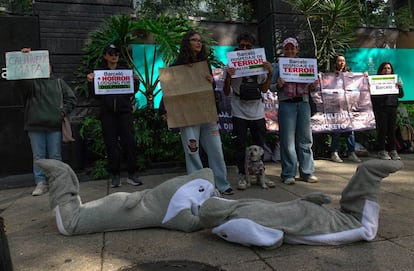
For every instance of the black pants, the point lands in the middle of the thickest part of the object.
(240, 127)
(119, 127)
(386, 118)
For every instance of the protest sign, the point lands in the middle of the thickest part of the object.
(383, 84)
(188, 95)
(247, 62)
(343, 104)
(298, 70)
(113, 82)
(31, 65)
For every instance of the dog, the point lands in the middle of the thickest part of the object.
(255, 169)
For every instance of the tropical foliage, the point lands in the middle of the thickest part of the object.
(331, 24)
(155, 142)
(165, 32)
(218, 10)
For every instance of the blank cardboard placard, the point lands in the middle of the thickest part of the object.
(188, 95)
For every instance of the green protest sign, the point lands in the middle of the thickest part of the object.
(31, 65)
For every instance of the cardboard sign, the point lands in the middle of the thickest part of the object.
(32, 65)
(188, 95)
(247, 62)
(113, 82)
(383, 84)
(298, 70)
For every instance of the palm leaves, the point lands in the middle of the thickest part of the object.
(165, 32)
(334, 20)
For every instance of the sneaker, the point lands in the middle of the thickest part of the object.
(353, 157)
(394, 155)
(116, 181)
(228, 191)
(242, 183)
(384, 155)
(134, 180)
(40, 189)
(289, 181)
(335, 157)
(310, 179)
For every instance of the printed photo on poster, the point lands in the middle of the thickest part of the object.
(343, 103)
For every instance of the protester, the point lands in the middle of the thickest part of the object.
(47, 101)
(294, 115)
(341, 66)
(385, 111)
(192, 50)
(117, 122)
(247, 114)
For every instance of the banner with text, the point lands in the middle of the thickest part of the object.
(247, 62)
(32, 65)
(343, 103)
(113, 82)
(225, 122)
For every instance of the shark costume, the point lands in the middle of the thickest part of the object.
(172, 204)
(303, 221)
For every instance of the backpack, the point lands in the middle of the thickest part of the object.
(250, 89)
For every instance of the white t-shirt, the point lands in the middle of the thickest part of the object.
(249, 110)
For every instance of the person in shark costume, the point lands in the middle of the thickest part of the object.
(172, 204)
(255, 222)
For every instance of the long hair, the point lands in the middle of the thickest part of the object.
(345, 69)
(381, 67)
(186, 55)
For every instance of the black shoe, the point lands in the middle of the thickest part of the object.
(116, 181)
(228, 191)
(134, 180)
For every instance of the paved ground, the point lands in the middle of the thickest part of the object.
(36, 245)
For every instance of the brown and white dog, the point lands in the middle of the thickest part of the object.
(255, 169)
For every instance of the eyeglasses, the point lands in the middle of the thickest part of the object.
(245, 46)
(196, 40)
(113, 53)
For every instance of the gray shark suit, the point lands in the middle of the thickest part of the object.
(172, 204)
(303, 221)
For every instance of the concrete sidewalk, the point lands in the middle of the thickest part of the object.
(36, 245)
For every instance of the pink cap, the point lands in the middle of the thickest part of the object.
(291, 41)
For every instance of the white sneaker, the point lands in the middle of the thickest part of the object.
(353, 157)
(242, 183)
(310, 179)
(289, 181)
(134, 180)
(40, 189)
(384, 155)
(394, 155)
(335, 157)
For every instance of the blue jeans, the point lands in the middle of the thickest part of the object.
(350, 141)
(45, 144)
(208, 135)
(295, 139)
